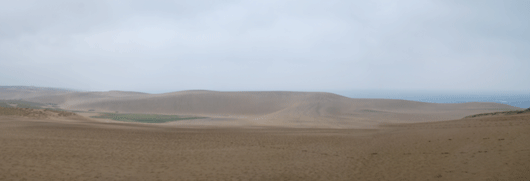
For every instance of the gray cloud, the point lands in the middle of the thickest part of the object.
(266, 45)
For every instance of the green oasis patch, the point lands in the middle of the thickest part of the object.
(144, 118)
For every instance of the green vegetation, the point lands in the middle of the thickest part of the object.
(500, 113)
(143, 118)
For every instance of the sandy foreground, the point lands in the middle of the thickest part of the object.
(78, 148)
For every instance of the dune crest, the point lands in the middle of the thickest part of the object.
(268, 108)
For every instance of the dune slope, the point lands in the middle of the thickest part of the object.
(276, 108)
(481, 148)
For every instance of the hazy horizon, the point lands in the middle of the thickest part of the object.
(519, 99)
(164, 46)
(370, 90)
(363, 92)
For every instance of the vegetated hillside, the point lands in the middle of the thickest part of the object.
(500, 113)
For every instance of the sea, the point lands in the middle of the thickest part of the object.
(516, 99)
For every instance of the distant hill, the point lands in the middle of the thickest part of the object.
(272, 108)
(25, 92)
(38, 88)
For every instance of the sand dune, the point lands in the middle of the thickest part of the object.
(285, 109)
(481, 148)
(262, 136)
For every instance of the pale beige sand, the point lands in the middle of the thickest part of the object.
(269, 109)
(74, 148)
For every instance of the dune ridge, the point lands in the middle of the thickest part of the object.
(262, 108)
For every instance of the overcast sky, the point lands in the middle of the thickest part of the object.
(297, 45)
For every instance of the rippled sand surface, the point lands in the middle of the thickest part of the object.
(77, 148)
